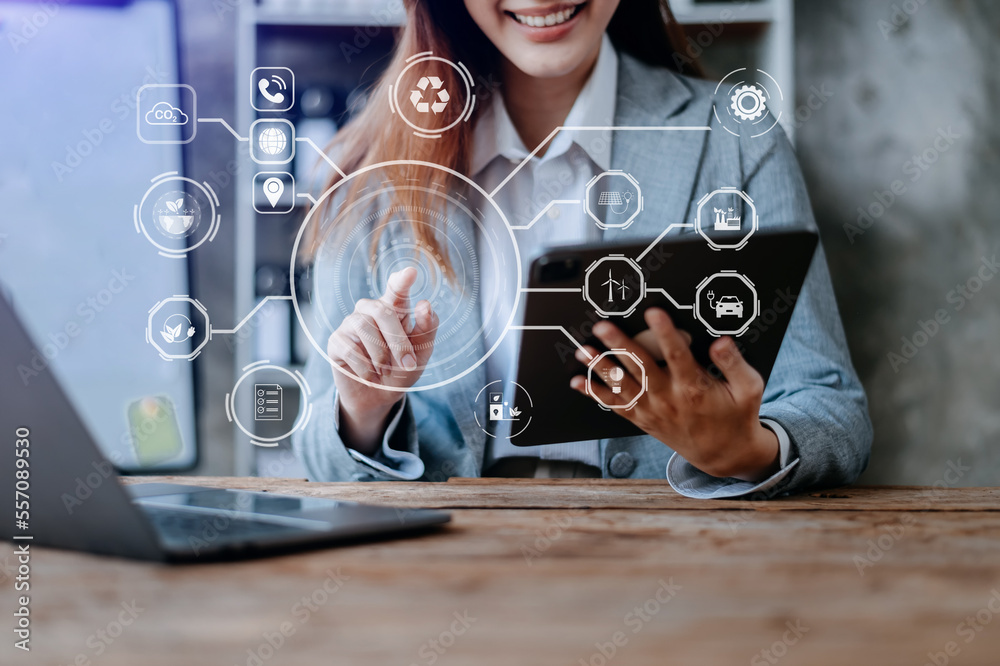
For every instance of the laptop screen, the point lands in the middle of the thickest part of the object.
(80, 275)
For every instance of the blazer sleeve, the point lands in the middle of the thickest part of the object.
(319, 444)
(814, 392)
(323, 452)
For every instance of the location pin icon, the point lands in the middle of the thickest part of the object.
(273, 187)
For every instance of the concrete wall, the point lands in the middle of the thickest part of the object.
(914, 90)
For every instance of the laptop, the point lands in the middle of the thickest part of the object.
(72, 497)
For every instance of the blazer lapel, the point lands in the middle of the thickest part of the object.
(665, 163)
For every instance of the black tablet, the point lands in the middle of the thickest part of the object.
(748, 294)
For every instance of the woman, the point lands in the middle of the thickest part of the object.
(588, 63)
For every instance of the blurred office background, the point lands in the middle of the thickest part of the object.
(887, 95)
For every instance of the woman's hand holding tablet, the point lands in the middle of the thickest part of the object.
(713, 424)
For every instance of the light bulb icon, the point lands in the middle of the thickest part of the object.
(616, 375)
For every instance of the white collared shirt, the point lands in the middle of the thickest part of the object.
(572, 159)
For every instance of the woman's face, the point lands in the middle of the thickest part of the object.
(544, 38)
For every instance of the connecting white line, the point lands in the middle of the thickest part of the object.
(305, 139)
(555, 328)
(660, 237)
(544, 211)
(229, 331)
(669, 298)
(552, 290)
(308, 196)
(585, 128)
(223, 122)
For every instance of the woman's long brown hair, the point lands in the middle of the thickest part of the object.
(645, 29)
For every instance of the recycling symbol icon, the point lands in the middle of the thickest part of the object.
(437, 92)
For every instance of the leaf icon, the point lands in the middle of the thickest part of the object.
(172, 206)
(167, 334)
(514, 411)
(176, 331)
(178, 205)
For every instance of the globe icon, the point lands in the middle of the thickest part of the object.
(272, 141)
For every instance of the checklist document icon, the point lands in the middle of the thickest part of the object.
(268, 402)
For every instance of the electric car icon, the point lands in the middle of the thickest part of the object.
(728, 306)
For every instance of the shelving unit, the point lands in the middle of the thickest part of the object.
(309, 37)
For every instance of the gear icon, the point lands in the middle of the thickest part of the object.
(749, 103)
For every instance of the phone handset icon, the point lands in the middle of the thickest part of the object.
(272, 89)
(264, 84)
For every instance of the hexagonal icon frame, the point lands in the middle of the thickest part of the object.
(697, 303)
(640, 295)
(643, 383)
(151, 339)
(755, 222)
(607, 174)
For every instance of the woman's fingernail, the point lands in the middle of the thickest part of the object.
(409, 363)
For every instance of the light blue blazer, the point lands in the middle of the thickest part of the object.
(813, 391)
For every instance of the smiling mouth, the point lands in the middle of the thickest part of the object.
(547, 20)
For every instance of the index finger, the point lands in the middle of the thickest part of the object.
(397, 288)
(676, 349)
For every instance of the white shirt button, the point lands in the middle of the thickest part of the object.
(554, 213)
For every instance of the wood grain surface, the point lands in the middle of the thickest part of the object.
(572, 572)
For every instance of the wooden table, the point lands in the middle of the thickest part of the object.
(559, 572)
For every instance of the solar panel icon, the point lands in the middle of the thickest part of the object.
(615, 200)
(267, 399)
(609, 199)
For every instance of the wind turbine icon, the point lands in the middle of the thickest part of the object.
(611, 283)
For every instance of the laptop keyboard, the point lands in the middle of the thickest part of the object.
(176, 525)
